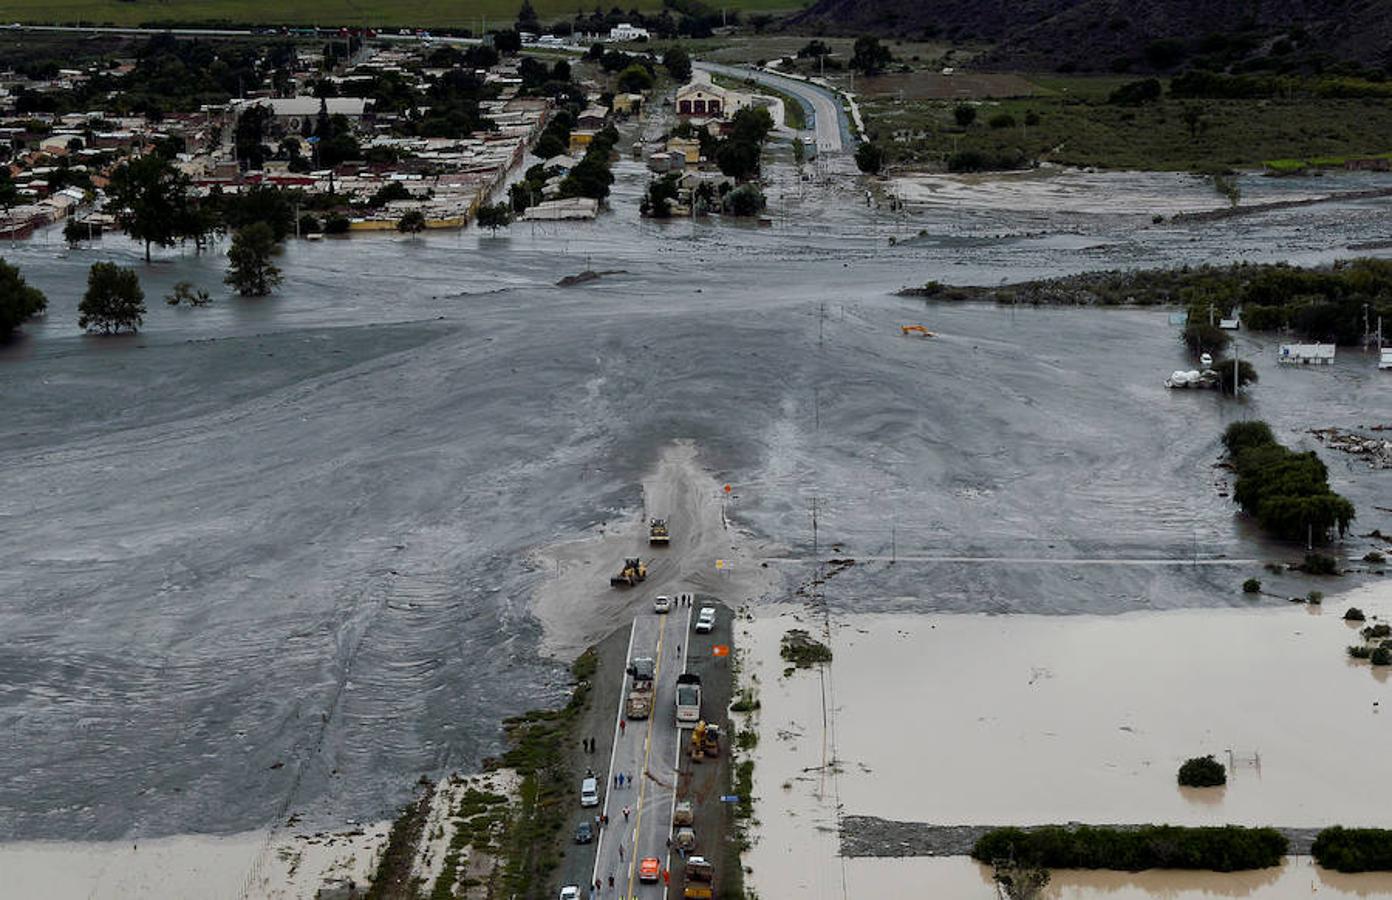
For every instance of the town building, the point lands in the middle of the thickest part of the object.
(701, 98)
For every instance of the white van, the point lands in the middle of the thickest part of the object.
(705, 622)
(589, 792)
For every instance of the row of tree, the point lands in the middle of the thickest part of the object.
(1287, 492)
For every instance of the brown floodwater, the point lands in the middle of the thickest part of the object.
(967, 719)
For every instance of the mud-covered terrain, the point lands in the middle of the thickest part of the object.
(281, 556)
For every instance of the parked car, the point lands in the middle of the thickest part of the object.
(589, 792)
(584, 833)
(705, 622)
(570, 892)
(662, 603)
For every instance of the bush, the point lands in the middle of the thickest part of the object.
(1230, 848)
(1251, 586)
(1381, 657)
(802, 650)
(964, 114)
(1354, 849)
(337, 225)
(745, 200)
(1372, 556)
(1287, 492)
(1354, 614)
(1376, 632)
(1315, 597)
(1320, 564)
(1202, 771)
(1360, 652)
(1002, 120)
(1136, 93)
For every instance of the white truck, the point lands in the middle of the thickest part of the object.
(688, 700)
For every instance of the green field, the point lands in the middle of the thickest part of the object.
(374, 13)
(1075, 126)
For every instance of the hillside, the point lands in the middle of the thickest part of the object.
(1102, 35)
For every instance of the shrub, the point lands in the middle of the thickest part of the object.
(1315, 597)
(1202, 771)
(1374, 632)
(802, 650)
(1354, 614)
(1229, 848)
(1002, 120)
(1381, 657)
(1320, 564)
(1136, 93)
(964, 114)
(1287, 492)
(1251, 586)
(337, 225)
(1372, 556)
(1354, 849)
(1360, 652)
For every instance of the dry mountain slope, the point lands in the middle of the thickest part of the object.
(1092, 34)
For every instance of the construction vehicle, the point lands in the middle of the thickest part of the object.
(658, 535)
(688, 700)
(705, 740)
(700, 879)
(685, 839)
(640, 698)
(683, 813)
(916, 329)
(634, 571)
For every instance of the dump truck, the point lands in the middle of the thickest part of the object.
(683, 813)
(640, 697)
(634, 571)
(688, 700)
(658, 536)
(700, 878)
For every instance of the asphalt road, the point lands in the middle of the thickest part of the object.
(646, 753)
(828, 118)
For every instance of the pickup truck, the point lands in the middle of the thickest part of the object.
(640, 696)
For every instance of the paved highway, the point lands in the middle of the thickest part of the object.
(645, 750)
(828, 118)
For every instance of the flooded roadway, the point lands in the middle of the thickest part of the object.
(276, 557)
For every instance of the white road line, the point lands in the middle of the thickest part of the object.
(613, 749)
(676, 757)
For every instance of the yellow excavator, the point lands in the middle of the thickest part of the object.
(705, 740)
(634, 571)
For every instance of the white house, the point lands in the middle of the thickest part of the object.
(703, 99)
(626, 32)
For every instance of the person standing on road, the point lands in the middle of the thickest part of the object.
(621, 853)
(611, 879)
(623, 727)
(625, 813)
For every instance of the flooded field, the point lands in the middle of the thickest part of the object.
(1018, 720)
(279, 556)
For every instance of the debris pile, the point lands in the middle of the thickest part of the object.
(1377, 452)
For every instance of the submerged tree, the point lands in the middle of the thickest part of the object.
(250, 270)
(114, 299)
(18, 299)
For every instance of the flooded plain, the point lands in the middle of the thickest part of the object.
(279, 556)
(1021, 720)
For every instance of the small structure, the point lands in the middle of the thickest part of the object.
(701, 98)
(626, 32)
(1385, 358)
(628, 104)
(1307, 354)
(569, 209)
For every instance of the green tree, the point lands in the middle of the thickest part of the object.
(151, 199)
(678, 62)
(870, 56)
(18, 300)
(751, 124)
(9, 192)
(549, 146)
(745, 200)
(964, 114)
(869, 158)
(527, 18)
(1193, 117)
(494, 216)
(635, 79)
(413, 222)
(738, 159)
(250, 271)
(1202, 771)
(184, 292)
(113, 299)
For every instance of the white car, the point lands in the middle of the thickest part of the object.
(589, 792)
(570, 892)
(705, 622)
(662, 603)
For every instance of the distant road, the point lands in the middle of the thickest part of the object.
(829, 121)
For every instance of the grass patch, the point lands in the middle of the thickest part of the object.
(422, 13)
(393, 875)
(802, 650)
(1225, 849)
(1078, 127)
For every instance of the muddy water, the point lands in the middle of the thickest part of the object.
(960, 719)
(959, 878)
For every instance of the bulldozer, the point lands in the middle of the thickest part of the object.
(705, 740)
(658, 535)
(634, 571)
